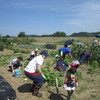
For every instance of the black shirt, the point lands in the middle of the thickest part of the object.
(71, 75)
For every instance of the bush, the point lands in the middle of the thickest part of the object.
(16, 50)
(50, 46)
(1, 46)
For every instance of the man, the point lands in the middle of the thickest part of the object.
(15, 63)
(65, 51)
(70, 80)
(34, 72)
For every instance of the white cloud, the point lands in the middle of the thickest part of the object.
(85, 16)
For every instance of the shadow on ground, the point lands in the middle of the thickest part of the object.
(24, 88)
(54, 96)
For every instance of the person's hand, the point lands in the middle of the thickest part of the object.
(43, 76)
(76, 83)
(13, 71)
(65, 85)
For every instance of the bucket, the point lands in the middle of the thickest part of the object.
(17, 72)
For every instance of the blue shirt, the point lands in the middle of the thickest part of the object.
(66, 50)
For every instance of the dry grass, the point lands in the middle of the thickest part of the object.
(57, 39)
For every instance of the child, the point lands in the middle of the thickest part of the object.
(70, 80)
(15, 63)
(33, 54)
(61, 65)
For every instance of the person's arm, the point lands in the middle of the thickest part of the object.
(70, 55)
(39, 70)
(65, 82)
(12, 68)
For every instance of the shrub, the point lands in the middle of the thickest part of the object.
(16, 50)
(1, 46)
(50, 46)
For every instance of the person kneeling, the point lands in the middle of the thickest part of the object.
(61, 65)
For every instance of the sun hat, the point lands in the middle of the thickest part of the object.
(45, 53)
(75, 62)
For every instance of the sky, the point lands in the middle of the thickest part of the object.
(43, 17)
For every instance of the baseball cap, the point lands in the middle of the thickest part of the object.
(36, 49)
(45, 53)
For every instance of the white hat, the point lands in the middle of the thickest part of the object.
(75, 61)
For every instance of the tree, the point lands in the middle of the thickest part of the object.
(22, 34)
(7, 36)
(59, 34)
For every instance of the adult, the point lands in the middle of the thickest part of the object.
(15, 63)
(34, 72)
(71, 81)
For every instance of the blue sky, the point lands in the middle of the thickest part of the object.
(48, 16)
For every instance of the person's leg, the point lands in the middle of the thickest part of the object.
(69, 94)
(38, 82)
(88, 59)
(36, 91)
(32, 87)
(64, 68)
(82, 59)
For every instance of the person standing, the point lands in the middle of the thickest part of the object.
(34, 72)
(71, 81)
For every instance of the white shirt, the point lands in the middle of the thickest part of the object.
(32, 65)
(13, 61)
(32, 53)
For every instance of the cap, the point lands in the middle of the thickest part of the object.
(45, 53)
(36, 49)
(20, 58)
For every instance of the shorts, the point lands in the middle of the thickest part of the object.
(69, 88)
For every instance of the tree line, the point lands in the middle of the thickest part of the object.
(60, 34)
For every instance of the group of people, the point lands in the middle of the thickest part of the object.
(71, 81)
(34, 72)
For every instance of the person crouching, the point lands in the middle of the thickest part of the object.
(34, 72)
